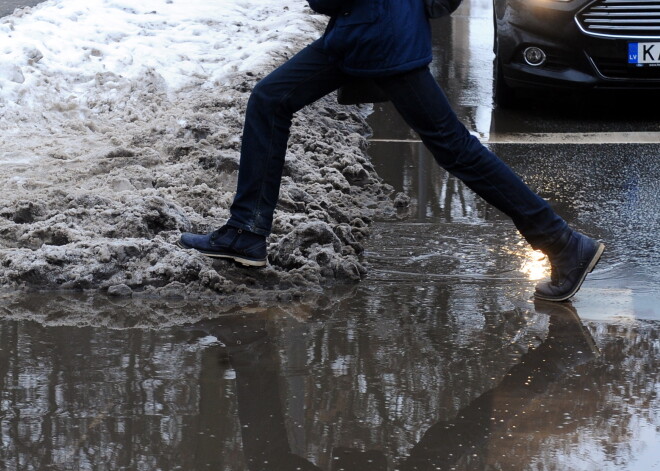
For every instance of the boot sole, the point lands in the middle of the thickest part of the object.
(592, 264)
(236, 258)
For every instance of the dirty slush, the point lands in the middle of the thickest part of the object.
(103, 214)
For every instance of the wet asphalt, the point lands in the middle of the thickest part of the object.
(439, 359)
(593, 155)
(7, 7)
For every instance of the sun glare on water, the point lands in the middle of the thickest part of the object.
(534, 264)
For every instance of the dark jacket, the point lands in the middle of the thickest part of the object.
(372, 38)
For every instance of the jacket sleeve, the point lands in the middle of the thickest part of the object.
(327, 7)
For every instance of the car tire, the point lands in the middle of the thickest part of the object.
(504, 96)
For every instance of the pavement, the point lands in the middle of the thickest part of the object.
(7, 7)
(592, 155)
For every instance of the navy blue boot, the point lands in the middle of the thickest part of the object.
(572, 258)
(244, 247)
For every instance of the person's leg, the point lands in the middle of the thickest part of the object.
(422, 103)
(307, 77)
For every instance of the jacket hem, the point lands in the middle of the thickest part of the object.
(381, 72)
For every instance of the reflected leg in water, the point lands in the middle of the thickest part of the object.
(254, 358)
(350, 459)
(567, 345)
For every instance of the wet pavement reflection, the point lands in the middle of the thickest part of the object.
(438, 360)
(591, 169)
(354, 381)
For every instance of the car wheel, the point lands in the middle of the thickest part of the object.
(504, 96)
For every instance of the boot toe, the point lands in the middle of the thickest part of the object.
(549, 291)
(192, 241)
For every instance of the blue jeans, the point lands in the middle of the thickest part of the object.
(312, 74)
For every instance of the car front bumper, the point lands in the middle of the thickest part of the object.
(574, 57)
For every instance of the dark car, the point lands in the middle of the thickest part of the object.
(575, 43)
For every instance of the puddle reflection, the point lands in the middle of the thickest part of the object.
(345, 386)
(433, 193)
(606, 190)
(443, 445)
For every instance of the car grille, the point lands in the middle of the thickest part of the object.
(621, 18)
(615, 68)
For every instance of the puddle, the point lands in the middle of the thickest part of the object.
(611, 198)
(437, 360)
(387, 375)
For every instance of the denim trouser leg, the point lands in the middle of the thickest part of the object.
(422, 103)
(302, 80)
(310, 75)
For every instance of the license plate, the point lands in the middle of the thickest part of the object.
(642, 54)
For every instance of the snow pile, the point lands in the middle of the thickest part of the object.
(66, 64)
(120, 127)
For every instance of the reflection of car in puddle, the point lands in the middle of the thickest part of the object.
(579, 43)
(254, 357)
